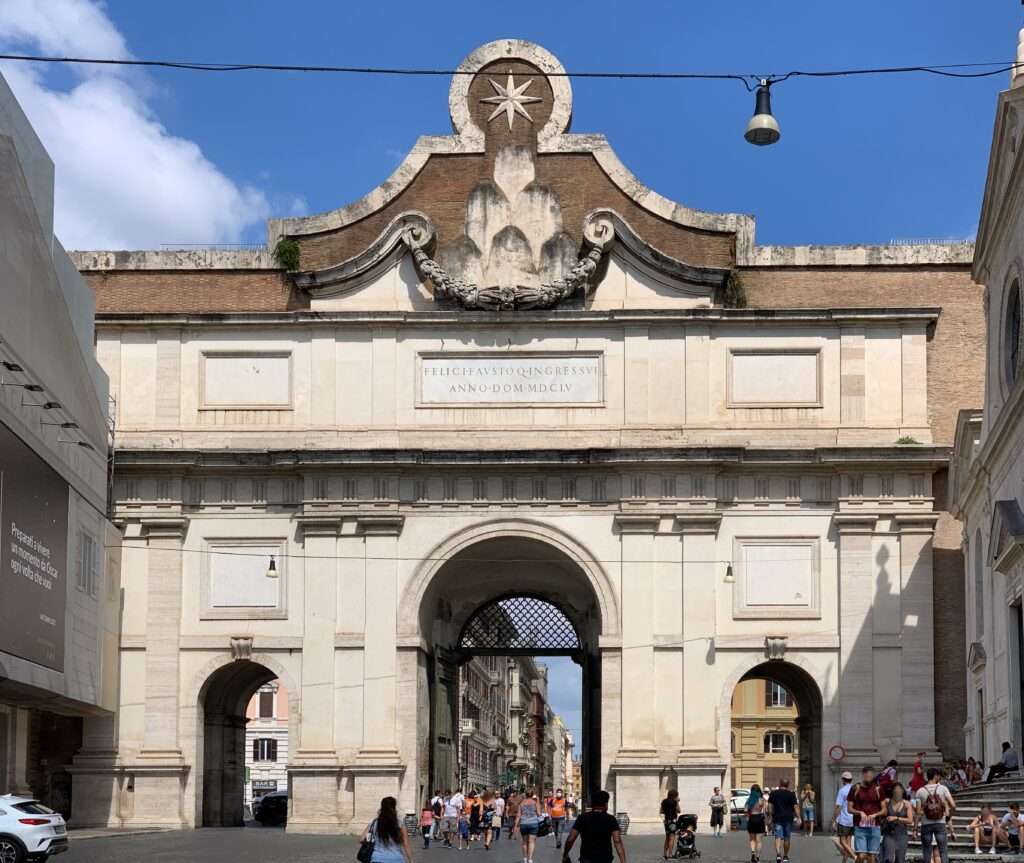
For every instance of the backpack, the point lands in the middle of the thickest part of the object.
(437, 808)
(934, 809)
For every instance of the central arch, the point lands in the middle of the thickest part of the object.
(476, 594)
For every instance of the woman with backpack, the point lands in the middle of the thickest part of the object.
(390, 841)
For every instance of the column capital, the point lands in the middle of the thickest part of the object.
(379, 525)
(703, 522)
(638, 522)
(319, 524)
(855, 522)
(164, 527)
(922, 522)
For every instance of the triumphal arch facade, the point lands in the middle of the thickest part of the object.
(513, 370)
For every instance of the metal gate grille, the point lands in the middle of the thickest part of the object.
(519, 624)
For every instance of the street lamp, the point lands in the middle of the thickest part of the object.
(763, 128)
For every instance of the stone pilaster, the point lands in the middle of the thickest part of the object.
(378, 768)
(160, 769)
(917, 654)
(856, 636)
(314, 769)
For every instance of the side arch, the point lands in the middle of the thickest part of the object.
(462, 540)
(204, 709)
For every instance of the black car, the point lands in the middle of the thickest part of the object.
(272, 808)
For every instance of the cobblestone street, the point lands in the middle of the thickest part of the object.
(271, 845)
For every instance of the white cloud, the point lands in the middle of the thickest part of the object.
(123, 180)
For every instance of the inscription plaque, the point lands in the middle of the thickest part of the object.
(511, 379)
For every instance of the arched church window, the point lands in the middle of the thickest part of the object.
(1012, 344)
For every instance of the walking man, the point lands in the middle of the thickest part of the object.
(935, 802)
(842, 820)
(598, 831)
(782, 812)
(865, 804)
(556, 812)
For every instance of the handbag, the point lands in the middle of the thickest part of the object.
(365, 852)
(544, 828)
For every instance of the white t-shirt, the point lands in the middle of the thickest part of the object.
(499, 807)
(1012, 823)
(845, 819)
(940, 791)
(451, 808)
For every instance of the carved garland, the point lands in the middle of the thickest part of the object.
(598, 233)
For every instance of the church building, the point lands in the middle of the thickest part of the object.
(515, 403)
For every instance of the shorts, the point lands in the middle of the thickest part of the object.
(843, 830)
(755, 825)
(717, 819)
(449, 825)
(464, 829)
(867, 840)
(670, 827)
(528, 828)
(808, 814)
(782, 829)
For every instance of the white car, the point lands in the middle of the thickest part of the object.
(29, 830)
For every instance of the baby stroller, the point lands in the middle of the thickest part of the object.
(686, 838)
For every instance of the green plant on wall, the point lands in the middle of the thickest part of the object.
(907, 440)
(286, 254)
(734, 296)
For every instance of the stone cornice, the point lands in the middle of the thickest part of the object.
(892, 457)
(860, 523)
(555, 317)
(911, 255)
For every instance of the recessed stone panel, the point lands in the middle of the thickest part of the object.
(775, 378)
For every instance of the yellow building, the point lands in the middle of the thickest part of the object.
(764, 739)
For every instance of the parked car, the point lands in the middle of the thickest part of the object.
(738, 807)
(271, 808)
(29, 830)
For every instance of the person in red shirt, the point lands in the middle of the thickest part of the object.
(865, 804)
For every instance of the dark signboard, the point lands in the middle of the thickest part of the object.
(33, 554)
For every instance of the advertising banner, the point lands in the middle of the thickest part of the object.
(33, 554)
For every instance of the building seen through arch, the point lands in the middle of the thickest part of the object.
(514, 380)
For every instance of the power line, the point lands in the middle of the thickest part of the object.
(421, 558)
(749, 80)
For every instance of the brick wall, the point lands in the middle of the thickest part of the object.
(194, 291)
(445, 182)
(956, 348)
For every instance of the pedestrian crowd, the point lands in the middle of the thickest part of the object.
(458, 820)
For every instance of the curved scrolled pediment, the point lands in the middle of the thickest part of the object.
(407, 231)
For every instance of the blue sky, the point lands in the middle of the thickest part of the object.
(191, 157)
(162, 157)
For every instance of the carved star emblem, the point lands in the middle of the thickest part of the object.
(510, 99)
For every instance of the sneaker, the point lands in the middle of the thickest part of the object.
(977, 850)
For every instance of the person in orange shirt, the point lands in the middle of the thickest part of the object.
(556, 812)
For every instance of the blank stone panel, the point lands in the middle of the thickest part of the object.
(246, 381)
(774, 378)
(238, 577)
